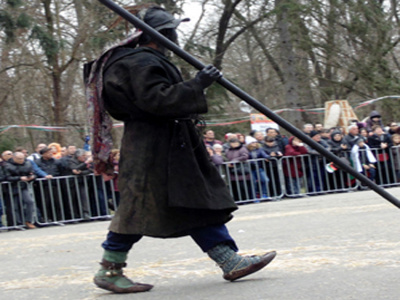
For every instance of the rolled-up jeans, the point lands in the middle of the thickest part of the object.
(205, 237)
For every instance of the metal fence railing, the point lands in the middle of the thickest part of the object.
(67, 199)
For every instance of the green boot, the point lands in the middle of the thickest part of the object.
(235, 266)
(110, 276)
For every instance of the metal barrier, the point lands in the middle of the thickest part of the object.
(308, 175)
(74, 198)
(57, 201)
(69, 199)
(254, 180)
(17, 205)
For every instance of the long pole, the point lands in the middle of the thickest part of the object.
(249, 99)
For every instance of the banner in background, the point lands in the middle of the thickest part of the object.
(260, 122)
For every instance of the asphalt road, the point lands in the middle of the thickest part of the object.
(336, 246)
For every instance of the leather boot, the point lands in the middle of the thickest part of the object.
(111, 278)
(29, 225)
(235, 266)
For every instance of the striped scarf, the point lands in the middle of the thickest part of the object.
(100, 122)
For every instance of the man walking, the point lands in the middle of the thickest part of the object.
(168, 186)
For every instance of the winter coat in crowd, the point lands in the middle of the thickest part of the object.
(274, 148)
(2, 173)
(293, 168)
(168, 184)
(350, 140)
(256, 154)
(75, 164)
(336, 144)
(14, 171)
(50, 167)
(370, 123)
(235, 155)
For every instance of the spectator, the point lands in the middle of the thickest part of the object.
(23, 150)
(336, 180)
(316, 169)
(257, 167)
(318, 127)
(239, 173)
(280, 140)
(63, 152)
(396, 154)
(228, 136)
(363, 133)
(353, 135)
(64, 161)
(209, 138)
(336, 144)
(86, 146)
(363, 159)
(374, 120)
(18, 169)
(241, 137)
(307, 128)
(272, 148)
(36, 155)
(217, 160)
(6, 155)
(68, 190)
(46, 195)
(79, 166)
(8, 206)
(293, 165)
(215, 153)
(394, 128)
(380, 143)
(218, 149)
(325, 135)
(56, 148)
(259, 136)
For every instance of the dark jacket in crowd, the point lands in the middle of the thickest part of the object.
(75, 164)
(350, 140)
(275, 148)
(14, 171)
(167, 182)
(374, 142)
(64, 165)
(2, 173)
(50, 167)
(370, 124)
(336, 145)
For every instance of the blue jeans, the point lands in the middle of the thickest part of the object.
(206, 238)
(292, 186)
(260, 178)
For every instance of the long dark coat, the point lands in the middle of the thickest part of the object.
(166, 180)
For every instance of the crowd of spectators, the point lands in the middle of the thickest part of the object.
(42, 167)
(369, 147)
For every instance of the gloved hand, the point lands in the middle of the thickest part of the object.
(207, 76)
